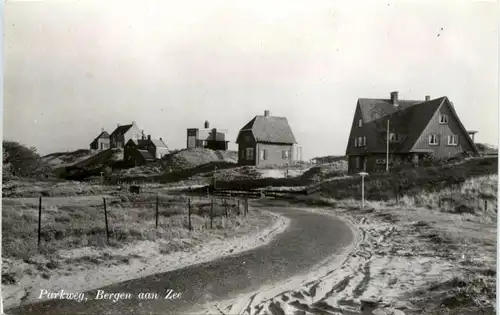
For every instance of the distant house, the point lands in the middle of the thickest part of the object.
(416, 128)
(266, 140)
(214, 138)
(101, 142)
(122, 134)
(144, 150)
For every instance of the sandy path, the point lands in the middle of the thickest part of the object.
(398, 255)
(147, 261)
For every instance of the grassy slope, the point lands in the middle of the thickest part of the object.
(460, 233)
(78, 222)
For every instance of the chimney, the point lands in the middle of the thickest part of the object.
(117, 125)
(394, 98)
(161, 139)
(133, 122)
(102, 129)
(149, 137)
(143, 135)
(207, 124)
(427, 98)
(266, 113)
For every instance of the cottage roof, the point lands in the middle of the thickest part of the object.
(373, 109)
(120, 130)
(146, 155)
(270, 129)
(103, 135)
(159, 143)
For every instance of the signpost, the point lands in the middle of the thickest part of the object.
(363, 174)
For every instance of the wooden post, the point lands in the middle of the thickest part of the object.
(39, 220)
(225, 207)
(106, 218)
(211, 214)
(189, 214)
(246, 206)
(157, 202)
(485, 205)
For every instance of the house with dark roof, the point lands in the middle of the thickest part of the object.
(266, 140)
(144, 150)
(406, 130)
(123, 133)
(214, 138)
(101, 142)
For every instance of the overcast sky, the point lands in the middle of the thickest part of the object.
(74, 67)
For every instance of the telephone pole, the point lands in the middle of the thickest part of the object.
(387, 149)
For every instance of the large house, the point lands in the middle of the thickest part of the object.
(266, 140)
(407, 129)
(214, 138)
(101, 142)
(123, 134)
(144, 150)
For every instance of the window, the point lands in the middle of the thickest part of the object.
(394, 137)
(453, 140)
(360, 141)
(433, 140)
(443, 119)
(358, 162)
(249, 152)
(263, 155)
(364, 140)
(355, 141)
(285, 154)
(360, 123)
(380, 161)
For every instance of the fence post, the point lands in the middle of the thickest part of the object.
(485, 205)
(157, 201)
(189, 214)
(39, 220)
(246, 206)
(225, 207)
(211, 213)
(106, 218)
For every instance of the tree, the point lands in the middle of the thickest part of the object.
(18, 160)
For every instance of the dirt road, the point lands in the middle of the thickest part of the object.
(310, 238)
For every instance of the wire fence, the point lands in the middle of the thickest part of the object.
(120, 214)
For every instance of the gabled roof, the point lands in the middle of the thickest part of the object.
(409, 123)
(159, 143)
(146, 155)
(409, 120)
(103, 135)
(142, 143)
(373, 109)
(120, 130)
(270, 129)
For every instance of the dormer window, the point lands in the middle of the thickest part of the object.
(443, 119)
(360, 123)
(394, 137)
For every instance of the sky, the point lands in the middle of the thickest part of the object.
(74, 67)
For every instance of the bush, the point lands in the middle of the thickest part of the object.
(18, 160)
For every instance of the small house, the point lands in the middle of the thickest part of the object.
(266, 140)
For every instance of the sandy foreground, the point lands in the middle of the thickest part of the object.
(143, 258)
(396, 260)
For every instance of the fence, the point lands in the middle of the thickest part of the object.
(208, 208)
